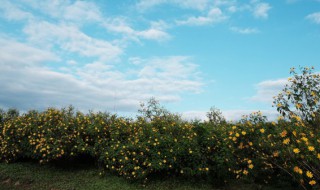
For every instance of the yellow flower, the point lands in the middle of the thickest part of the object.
(249, 161)
(245, 172)
(286, 141)
(309, 174)
(243, 133)
(312, 182)
(296, 150)
(262, 130)
(311, 148)
(319, 156)
(294, 133)
(250, 166)
(283, 134)
(237, 135)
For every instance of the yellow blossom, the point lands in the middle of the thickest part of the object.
(262, 130)
(243, 133)
(309, 174)
(294, 133)
(296, 150)
(312, 182)
(286, 141)
(311, 148)
(245, 172)
(250, 166)
(283, 133)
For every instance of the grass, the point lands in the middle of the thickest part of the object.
(85, 176)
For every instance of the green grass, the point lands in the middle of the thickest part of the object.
(32, 176)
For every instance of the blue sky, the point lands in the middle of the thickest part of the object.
(189, 54)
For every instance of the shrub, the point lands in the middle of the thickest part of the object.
(301, 96)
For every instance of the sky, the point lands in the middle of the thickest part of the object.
(109, 55)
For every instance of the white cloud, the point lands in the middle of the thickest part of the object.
(192, 115)
(235, 115)
(230, 115)
(261, 10)
(244, 30)
(13, 12)
(156, 31)
(233, 9)
(95, 85)
(314, 17)
(215, 15)
(16, 54)
(154, 34)
(188, 4)
(70, 38)
(76, 11)
(82, 11)
(266, 90)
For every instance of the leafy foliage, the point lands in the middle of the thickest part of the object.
(301, 95)
(215, 116)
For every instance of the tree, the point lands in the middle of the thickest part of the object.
(153, 110)
(215, 116)
(300, 96)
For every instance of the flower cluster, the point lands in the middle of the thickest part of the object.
(137, 148)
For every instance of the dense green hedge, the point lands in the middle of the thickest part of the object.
(137, 148)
